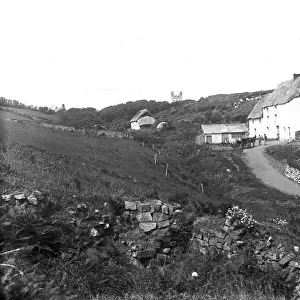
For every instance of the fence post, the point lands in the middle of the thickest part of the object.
(143, 143)
(201, 184)
(155, 158)
(167, 169)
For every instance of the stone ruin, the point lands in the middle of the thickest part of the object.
(152, 233)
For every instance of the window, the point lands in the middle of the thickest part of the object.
(209, 139)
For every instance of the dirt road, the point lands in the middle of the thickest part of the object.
(260, 166)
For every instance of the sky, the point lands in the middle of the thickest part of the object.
(101, 53)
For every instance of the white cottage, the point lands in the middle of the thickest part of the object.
(221, 133)
(277, 114)
(142, 119)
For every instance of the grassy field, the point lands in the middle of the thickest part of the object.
(37, 114)
(72, 168)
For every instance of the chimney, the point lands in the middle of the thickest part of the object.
(296, 76)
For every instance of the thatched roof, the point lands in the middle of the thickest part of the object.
(257, 109)
(284, 93)
(224, 128)
(141, 113)
(146, 120)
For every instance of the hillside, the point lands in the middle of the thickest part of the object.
(216, 108)
(74, 203)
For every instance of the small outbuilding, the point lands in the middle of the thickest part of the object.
(142, 119)
(221, 133)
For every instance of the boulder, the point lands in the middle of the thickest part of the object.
(286, 259)
(165, 209)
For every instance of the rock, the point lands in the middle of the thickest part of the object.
(163, 224)
(129, 205)
(166, 250)
(165, 209)
(159, 217)
(144, 217)
(286, 259)
(32, 200)
(212, 242)
(174, 228)
(177, 213)
(144, 207)
(294, 264)
(20, 197)
(149, 226)
(240, 232)
(37, 194)
(219, 234)
(155, 207)
(8, 197)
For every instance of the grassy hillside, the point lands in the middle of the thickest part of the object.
(71, 169)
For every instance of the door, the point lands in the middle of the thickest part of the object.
(277, 134)
(225, 138)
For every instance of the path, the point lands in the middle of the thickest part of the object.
(261, 168)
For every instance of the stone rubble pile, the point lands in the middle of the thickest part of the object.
(292, 173)
(161, 237)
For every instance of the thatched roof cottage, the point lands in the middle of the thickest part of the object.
(142, 119)
(277, 114)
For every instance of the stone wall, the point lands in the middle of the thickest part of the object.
(292, 173)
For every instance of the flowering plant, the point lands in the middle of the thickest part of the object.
(241, 216)
(279, 221)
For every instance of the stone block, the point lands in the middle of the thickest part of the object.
(171, 208)
(144, 207)
(163, 224)
(174, 228)
(156, 208)
(286, 259)
(32, 200)
(176, 206)
(20, 197)
(147, 227)
(159, 217)
(165, 209)
(233, 236)
(8, 198)
(129, 205)
(144, 217)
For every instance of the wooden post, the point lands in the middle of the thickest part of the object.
(202, 187)
(155, 158)
(152, 147)
(143, 143)
(167, 169)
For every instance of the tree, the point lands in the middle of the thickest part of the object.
(216, 117)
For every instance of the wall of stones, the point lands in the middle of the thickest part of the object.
(292, 173)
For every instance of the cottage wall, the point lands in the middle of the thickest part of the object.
(283, 119)
(135, 126)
